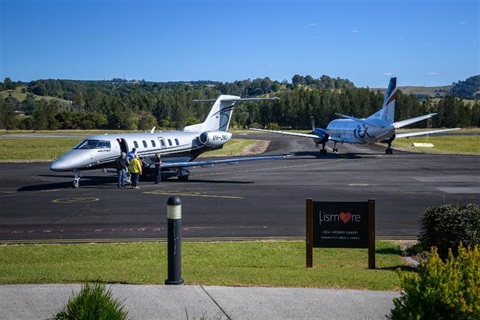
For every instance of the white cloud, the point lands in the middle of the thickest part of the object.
(388, 74)
(432, 74)
(312, 24)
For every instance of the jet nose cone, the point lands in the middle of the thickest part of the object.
(65, 163)
(58, 165)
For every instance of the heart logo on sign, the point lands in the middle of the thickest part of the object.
(345, 216)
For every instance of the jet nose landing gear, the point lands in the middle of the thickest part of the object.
(76, 178)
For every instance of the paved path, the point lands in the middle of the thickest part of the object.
(195, 302)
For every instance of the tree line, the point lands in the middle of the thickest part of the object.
(141, 105)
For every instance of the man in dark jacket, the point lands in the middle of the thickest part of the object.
(121, 165)
(158, 163)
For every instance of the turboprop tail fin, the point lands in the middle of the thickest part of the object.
(387, 113)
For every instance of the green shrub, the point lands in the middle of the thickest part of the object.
(445, 227)
(447, 289)
(272, 126)
(92, 302)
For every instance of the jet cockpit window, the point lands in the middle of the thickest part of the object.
(93, 144)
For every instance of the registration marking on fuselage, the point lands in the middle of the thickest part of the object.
(190, 194)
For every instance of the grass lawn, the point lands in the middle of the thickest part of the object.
(441, 144)
(256, 263)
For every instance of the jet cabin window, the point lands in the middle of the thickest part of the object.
(93, 144)
(162, 142)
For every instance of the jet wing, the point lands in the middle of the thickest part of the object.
(305, 135)
(166, 164)
(421, 133)
(406, 122)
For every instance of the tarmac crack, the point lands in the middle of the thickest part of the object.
(216, 303)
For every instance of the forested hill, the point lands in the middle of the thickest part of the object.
(139, 105)
(467, 89)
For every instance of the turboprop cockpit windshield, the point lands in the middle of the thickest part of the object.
(93, 144)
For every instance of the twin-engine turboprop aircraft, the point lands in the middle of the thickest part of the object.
(178, 149)
(379, 127)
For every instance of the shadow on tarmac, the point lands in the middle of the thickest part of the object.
(317, 155)
(84, 182)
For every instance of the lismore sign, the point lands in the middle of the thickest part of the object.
(341, 225)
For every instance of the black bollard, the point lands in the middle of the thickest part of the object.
(174, 236)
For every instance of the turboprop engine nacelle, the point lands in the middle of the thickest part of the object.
(322, 135)
(214, 138)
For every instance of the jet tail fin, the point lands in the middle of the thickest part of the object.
(387, 112)
(220, 115)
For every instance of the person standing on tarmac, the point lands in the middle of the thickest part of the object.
(135, 169)
(158, 164)
(130, 156)
(121, 164)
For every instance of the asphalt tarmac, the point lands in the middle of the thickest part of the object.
(254, 200)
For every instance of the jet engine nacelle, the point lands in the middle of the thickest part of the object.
(214, 138)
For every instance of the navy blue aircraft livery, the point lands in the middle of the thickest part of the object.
(379, 127)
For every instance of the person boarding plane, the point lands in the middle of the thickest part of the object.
(379, 127)
(177, 148)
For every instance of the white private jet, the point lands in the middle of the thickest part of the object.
(379, 127)
(177, 148)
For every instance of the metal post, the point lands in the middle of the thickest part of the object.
(371, 234)
(309, 241)
(174, 236)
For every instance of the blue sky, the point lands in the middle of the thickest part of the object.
(423, 42)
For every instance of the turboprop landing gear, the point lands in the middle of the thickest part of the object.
(335, 149)
(323, 151)
(389, 149)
